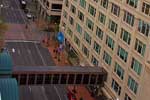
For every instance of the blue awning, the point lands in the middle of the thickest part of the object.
(60, 37)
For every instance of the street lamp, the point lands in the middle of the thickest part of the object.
(1, 6)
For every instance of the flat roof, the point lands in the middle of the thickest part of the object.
(74, 69)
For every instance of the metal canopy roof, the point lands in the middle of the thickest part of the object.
(9, 89)
(5, 63)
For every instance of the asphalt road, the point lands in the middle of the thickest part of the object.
(50, 92)
(11, 12)
(29, 54)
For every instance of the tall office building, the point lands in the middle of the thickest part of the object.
(114, 34)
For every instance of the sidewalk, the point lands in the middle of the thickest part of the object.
(81, 90)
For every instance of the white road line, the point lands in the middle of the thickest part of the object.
(29, 51)
(57, 92)
(30, 89)
(40, 54)
(19, 52)
(43, 91)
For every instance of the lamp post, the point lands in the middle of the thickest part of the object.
(1, 6)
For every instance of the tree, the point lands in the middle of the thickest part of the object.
(3, 28)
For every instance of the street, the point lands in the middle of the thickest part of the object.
(29, 54)
(50, 92)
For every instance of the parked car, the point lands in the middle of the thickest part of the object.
(29, 16)
(23, 4)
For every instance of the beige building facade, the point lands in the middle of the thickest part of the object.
(114, 34)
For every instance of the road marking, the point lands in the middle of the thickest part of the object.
(29, 51)
(19, 52)
(30, 89)
(40, 54)
(22, 41)
(57, 92)
(45, 97)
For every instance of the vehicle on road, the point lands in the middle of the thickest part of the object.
(23, 4)
(29, 16)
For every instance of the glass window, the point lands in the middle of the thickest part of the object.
(80, 15)
(85, 51)
(89, 24)
(132, 84)
(79, 28)
(107, 58)
(122, 54)
(113, 26)
(97, 47)
(99, 33)
(125, 36)
(136, 66)
(102, 18)
(119, 70)
(92, 10)
(116, 87)
(87, 37)
(140, 47)
(132, 3)
(94, 61)
(144, 28)
(83, 3)
(115, 9)
(77, 41)
(146, 8)
(104, 3)
(128, 18)
(110, 42)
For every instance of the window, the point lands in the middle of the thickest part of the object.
(140, 47)
(115, 86)
(127, 97)
(113, 26)
(66, 3)
(146, 8)
(94, 61)
(79, 28)
(107, 58)
(87, 37)
(99, 33)
(104, 3)
(122, 54)
(144, 28)
(65, 14)
(102, 18)
(132, 84)
(97, 47)
(77, 41)
(92, 10)
(125, 36)
(83, 3)
(80, 15)
(132, 3)
(136, 66)
(69, 32)
(118, 70)
(128, 18)
(89, 24)
(115, 9)
(110, 42)
(85, 51)
(71, 20)
(73, 9)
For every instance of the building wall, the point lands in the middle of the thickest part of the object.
(133, 75)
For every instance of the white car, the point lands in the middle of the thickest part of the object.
(29, 16)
